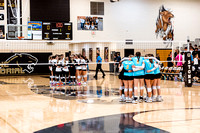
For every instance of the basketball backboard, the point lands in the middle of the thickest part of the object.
(19, 32)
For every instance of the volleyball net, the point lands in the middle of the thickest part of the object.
(30, 56)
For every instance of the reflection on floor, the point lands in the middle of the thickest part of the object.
(79, 93)
(120, 123)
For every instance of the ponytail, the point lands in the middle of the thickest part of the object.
(151, 55)
(138, 54)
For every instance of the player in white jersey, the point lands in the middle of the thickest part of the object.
(51, 70)
(83, 69)
(66, 71)
(72, 70)
(54, 62)
(59, 70)
(78, 69)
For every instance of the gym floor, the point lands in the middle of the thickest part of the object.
(29, 104)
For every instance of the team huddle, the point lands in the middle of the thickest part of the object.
(70, 70)
(135, 72)
(140, 72)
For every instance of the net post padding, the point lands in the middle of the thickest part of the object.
(188, 70)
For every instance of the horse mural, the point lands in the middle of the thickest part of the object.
(164, 27)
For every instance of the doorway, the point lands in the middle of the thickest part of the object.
(128, 52)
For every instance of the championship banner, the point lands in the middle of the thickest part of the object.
(36, 29)
(30, 61)
(12, 11)
(188, 70)
(2, 32)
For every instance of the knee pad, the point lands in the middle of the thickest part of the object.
(135, 88)
(51, 77)
(56, 77)
(148, 89)
(78, 77)
(73, 77)
(154, 87)
(84, 76)
(120, 88)
(158, 87)
(141, 88)
(130, 89)
(125, 90)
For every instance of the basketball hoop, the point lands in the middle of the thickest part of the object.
(20, 37)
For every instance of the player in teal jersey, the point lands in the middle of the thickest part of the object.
(138, 77)
(156, 85)
(149, 76)
(128, 78)
(122, 87)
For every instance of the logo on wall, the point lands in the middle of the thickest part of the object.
(164, 27)
(27, 60)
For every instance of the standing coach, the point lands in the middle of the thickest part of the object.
(99, 61)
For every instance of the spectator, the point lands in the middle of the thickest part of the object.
(115, 58)
(169, 59)
(118, 59)
(195, 52)
(191, 49)
(115, 64)
(196, 65)
(175, 53)
(179, 58)
(185, 49)
(195, 46)
(158, 56)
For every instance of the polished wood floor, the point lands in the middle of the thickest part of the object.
(23, 110)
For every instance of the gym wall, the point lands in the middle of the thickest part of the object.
(131, 19)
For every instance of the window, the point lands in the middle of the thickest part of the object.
(97, 8)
